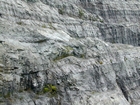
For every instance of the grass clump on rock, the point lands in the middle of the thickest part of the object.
(52, 89)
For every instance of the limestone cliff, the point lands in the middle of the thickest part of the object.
(69, 52)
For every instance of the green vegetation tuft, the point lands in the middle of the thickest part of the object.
(81, 14)
(43, 26)
(51, 89)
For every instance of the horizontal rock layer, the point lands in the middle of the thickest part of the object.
(74, 52)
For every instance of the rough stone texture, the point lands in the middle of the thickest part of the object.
(82, 51)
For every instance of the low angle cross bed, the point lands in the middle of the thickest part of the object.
(69, 52)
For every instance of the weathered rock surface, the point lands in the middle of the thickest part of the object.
(69, 52)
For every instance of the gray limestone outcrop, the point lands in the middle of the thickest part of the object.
(69, 52)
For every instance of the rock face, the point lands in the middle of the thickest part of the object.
(69, 52)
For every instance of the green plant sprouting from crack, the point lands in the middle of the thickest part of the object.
(51, 89)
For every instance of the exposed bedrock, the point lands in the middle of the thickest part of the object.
(74, 52)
